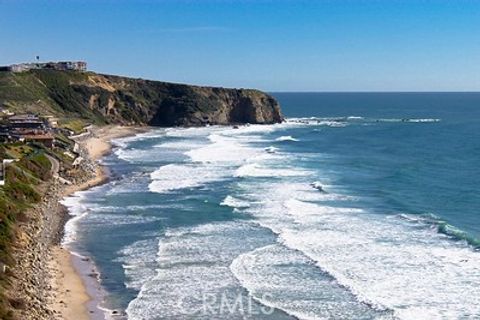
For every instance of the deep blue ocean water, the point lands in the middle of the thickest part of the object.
(359, 206)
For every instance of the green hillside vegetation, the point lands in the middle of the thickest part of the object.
(78, 98)
(23, 188)
(48, 92)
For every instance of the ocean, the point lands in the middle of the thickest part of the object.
(358, 206)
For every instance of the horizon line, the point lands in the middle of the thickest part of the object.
(359, 91)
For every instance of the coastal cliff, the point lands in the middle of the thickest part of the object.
(106, 99)
(31, 218)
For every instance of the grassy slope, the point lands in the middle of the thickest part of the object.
(96, 98)
(48, 93)
(22, 190)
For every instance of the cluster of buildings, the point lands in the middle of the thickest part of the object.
(31, 128)
(60, 65)
(28, 128)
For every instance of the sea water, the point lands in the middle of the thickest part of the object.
(358, 206)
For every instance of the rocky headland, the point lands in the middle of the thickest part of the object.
(106, 99)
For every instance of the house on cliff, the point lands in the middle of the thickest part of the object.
(28, 128)
(60, 65)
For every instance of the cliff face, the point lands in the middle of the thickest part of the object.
(113, 99)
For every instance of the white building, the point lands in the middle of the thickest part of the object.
(4, 164)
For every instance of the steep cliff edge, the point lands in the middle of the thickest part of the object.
(112, 99)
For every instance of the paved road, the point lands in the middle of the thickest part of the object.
(55, 165)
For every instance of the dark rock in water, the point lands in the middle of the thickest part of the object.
(318, 186)
(271, 149)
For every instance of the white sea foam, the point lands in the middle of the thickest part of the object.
(130, 208)
(192, 262)
(180, 145)
(223, 149)
(271, 149)
(333, 124)
(80, 208)
(385, 262)
(117, 219)
(318, 185)
(249, 130)
(135, 155)
(139, 262)
(126, 188)
(304, 209)
(286, 138)
(235, 202)
(423, 120)
(390, 263)
(180, 176)
(78, 211)
(125, 141)
(212, 160)
(189, 132)
(405, 271)
(188, 138)
(285, 279)
(345, 121)
(313, 121)
(257, 170)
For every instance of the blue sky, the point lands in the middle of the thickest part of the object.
(271, 45)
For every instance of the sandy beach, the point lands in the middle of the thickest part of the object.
(70, 295)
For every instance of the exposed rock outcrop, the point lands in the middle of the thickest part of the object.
(113, 99)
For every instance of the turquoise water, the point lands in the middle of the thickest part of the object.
(359, 206)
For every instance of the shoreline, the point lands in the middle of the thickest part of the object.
(76, 293)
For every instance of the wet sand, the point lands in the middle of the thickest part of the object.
(72, 296)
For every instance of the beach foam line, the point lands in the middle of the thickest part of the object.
(78, 210)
